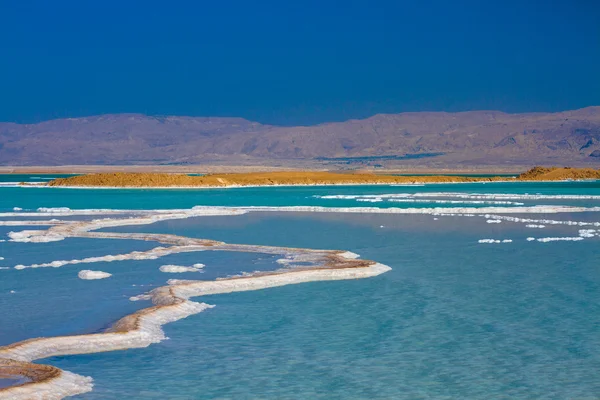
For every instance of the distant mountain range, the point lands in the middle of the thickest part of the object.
(421, 138)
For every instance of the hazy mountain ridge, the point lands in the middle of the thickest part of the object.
(474, 137)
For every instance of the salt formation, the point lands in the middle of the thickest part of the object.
(92, 275)
(171, 303)
(181, 268)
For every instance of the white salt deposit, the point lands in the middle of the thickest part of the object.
(494, 241)
(180, 268)
(92, 275)
(588, 233)
(559, 239)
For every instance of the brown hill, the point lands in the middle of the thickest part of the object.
(428, 138)
(558, 174)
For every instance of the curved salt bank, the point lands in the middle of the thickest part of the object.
(171, 303)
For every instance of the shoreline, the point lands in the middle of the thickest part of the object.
(208, 169)
(305, 178)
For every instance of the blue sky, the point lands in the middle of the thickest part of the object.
(295, 62)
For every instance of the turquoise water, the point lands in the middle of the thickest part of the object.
(454, 318)
(31, 178)
(32, 198)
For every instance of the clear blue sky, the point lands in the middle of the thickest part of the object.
(295, 62)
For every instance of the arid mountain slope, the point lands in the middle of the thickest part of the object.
(467, 138)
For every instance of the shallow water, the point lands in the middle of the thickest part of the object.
(454, 318)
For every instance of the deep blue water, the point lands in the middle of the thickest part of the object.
(453, 318)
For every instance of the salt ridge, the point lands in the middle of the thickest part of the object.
(171, 303)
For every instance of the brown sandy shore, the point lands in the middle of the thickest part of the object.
(129, 179)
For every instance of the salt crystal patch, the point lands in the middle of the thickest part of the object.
(87, 274)
(178, 269)
(560, 239)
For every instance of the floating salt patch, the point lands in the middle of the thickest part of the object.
(86, 274)
(560, 239)
(530, 239)
(1, 258)
(587, 233)
(17, 209)
(494, 241)
(435, 219)
(488, 241)
(535, 226)
(180, 268)
(493, 221)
